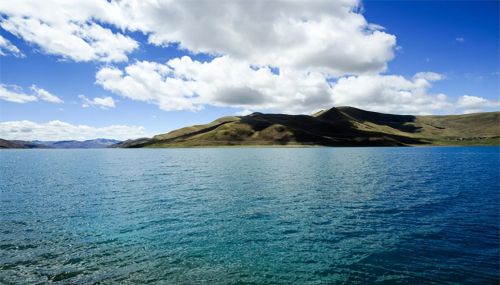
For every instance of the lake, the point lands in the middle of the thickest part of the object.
(251, 216)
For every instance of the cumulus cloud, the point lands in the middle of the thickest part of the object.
(279, 55)
(391, 93)
(57, 130)
(184, 84)
(327, 36)
(68, 28)
(7, 48)
(102, 102)
(45, 95)
(321, 35)
(148, 82)
(15, 94)
(472, 104)
(400, 95)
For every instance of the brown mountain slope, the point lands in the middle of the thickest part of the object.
(342, 126)
(9, 144)
(19, 144)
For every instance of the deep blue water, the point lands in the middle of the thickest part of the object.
(251, 216)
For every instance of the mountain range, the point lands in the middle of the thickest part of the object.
(95, 143)
(338, 126)
(341, 126)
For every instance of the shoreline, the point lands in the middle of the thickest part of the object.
(258, 146)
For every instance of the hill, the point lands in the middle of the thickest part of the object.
(341, 126)
(19, 144)
(96, 143)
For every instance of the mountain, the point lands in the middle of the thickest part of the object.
(96, 143)
(341, 126)
(19, 144)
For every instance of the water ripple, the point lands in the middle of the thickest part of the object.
(250, 216)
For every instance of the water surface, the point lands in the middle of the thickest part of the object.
(250, 216)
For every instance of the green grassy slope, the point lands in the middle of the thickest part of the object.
(342, 126)
(468, 129)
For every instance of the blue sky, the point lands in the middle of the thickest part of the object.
(167, 71)
(428, 31)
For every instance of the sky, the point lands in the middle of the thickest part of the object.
(128, 69)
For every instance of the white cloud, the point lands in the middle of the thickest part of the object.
(6, 47)
(102, 102)
(68, 28)
(391, 93)
(15, 94)
(326, 52)
(396, 94)
(472, 104)
(428, 76)
(146, 81)
(57, 130)
(184, 84)
(327, 36)
(460, 39)
(45, 95)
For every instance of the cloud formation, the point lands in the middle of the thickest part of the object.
(45, 95)
(186, 84)
(102, 102)
(15, 94)
(57, 130)
(473, 104)
(321, 35)
(7, 48)
(278, 55)
(327, 36)
(391, 93)
(68, 28)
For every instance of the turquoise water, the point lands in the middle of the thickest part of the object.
(251, 216)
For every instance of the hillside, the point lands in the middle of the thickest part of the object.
(19, 144)
(95, 143)
(342, 126)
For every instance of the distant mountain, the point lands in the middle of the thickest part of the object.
(19, 144)
(342, 126)
(96, 143)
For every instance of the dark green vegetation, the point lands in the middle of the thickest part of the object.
(342, 126)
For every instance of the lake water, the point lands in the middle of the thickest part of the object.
(251, 216)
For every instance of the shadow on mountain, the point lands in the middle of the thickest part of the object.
(343, 126)
(399, 122)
